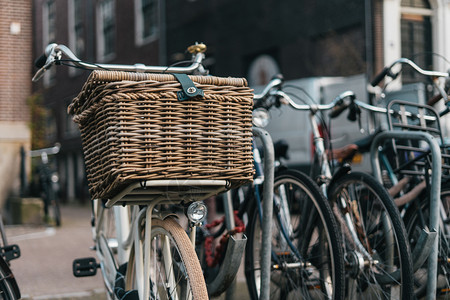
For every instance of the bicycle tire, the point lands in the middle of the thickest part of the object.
(107, 235)
(318, 247)
(415, 221)
(377, 273)
(9, 290)
(189, 280)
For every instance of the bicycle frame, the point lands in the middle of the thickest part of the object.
(132, 214)
(54, 53)
(427, 243)
(434, 200)
(49, 182)
(282, 212)
(427, 240)
(326, 178)
(324, 163)
(143, 197)
(267, 210)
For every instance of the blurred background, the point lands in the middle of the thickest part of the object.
(323, 47)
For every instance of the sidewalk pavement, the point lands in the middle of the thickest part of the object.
(44, 270)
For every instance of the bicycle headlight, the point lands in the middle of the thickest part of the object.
(196, 212)
(261, 117)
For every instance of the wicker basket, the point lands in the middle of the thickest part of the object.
(133, 128)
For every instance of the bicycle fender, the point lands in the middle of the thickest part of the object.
(164, 215)
(345, 169)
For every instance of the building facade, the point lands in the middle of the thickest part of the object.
(254, 39)
(15, 87)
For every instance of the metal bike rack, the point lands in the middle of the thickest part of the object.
(266, 243)
(432, 239)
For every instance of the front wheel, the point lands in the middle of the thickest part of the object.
(378, 260)
(307, 258)
(9, 290)
(175, 271)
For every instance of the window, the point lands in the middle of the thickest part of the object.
(416, 3)
(106, 30)
(146, 20)
(49, 35)
(77, 27)
(76, 30)
(416, 33)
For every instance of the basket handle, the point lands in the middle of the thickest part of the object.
(189, 90)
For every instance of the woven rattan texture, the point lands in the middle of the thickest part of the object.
(133, 128)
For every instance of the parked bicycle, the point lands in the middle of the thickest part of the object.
(405, 163)
(377, 253)
(408, 168)
(48, 184)
(9, 290)
(153, 142)
(306, 258)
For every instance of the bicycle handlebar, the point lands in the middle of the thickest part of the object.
(434, 75)
(274, 89)
(387, 71)
(340, 105)
(54, 52)
(276, 82)
(48, 151)
(380, 76)
(377, 109)
(337, 106)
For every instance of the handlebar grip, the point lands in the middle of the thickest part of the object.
(353, 113)
(380, 76)
(337, 110)
(433, 100)
(40, 61)
(257, 103)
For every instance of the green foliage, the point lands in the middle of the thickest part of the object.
(38, 121)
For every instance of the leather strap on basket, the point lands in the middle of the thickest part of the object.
(189, 90)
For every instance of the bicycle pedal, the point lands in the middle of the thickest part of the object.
(83, 267)
(10, 252)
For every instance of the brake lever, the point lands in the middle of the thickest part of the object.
(354, 114)
(52, 57)
(38, 75)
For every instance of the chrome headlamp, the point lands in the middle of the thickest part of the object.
(196, 212)
(261, 117)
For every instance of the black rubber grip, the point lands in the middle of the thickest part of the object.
(40, 61)
(353, 112)
(337, 110)
(380, 77)
(257, 103)
(433, 100)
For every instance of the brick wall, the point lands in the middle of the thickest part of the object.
(15, 87)
(378, 36)
(15, 59)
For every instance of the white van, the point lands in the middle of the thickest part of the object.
(293, 126)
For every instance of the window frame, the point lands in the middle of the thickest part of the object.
(49, 36)
(74, 35)
(139, 23)
(413, 16)
(100, 31)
